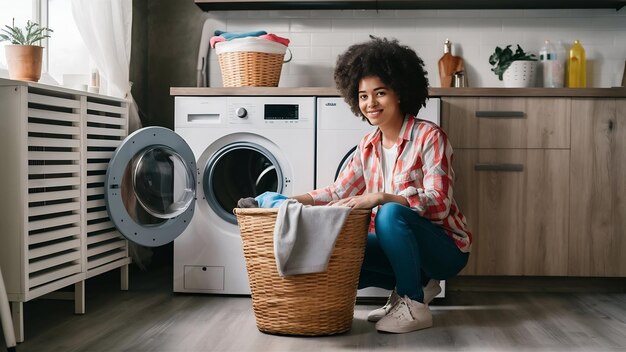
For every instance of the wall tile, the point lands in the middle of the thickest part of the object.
(319, 36)
(311, 25)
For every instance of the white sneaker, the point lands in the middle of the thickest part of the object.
(377, 314)
(406, 316)
(431, 290)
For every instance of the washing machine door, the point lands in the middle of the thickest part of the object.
(344, 162)
(240, 170)
(150, 186)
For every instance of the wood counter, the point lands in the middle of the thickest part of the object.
(615, 92)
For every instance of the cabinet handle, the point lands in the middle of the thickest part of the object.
(500, 114)
(499, 167)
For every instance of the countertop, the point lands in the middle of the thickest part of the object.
(615, 92)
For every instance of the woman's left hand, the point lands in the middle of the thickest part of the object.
(364, 201)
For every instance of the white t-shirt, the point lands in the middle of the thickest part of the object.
(388, 160)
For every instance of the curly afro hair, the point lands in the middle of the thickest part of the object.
(396, 65)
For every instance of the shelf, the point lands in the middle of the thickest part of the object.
(220, 5)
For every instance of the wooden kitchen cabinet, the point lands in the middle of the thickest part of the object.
(55, 231)
(516, 202)
(597, 243)
(512, 179)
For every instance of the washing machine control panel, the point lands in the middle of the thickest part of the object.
(281, 112)
(271, 111)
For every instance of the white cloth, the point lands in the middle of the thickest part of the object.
(105, 27)
(304, 236)
(250, 44)
(388, 160)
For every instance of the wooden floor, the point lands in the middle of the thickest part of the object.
(149, 317)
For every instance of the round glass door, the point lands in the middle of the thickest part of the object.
(150, 186)
(236, 171)
(162, 183)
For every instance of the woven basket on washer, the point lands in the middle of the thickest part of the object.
(250, 62)
(308, 304)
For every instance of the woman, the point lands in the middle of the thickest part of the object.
(402, 170)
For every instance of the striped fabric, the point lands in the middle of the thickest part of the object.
(422, 173)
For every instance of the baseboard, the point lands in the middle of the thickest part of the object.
(536, 284)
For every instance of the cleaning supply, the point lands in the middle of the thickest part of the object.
(449, 65)
(576, 66)
(553, 63)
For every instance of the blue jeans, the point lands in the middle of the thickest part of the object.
(406, 251)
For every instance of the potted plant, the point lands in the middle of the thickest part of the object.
(23, 55)
(515, 69)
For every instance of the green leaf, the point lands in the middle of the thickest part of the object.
(501, 59)
(31, 34)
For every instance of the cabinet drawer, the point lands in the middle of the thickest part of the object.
(516, 204)
(507, 122)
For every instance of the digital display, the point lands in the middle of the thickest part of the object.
(281, 112)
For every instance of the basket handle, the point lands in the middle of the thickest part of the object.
(290, 57)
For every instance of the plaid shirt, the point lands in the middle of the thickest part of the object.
(422, 174)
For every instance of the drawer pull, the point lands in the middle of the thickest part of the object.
(500, 114)
(498, 167)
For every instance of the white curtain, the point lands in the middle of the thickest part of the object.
(106, 27)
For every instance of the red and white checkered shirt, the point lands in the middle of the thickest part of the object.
(422, 174)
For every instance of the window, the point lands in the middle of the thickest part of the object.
(22, 11)
(66, 58)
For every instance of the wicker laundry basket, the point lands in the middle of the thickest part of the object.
(250, 62)
(308, 304)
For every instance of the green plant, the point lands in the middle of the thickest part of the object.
(30, 35)
(501, 59)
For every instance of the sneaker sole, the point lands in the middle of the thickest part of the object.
(408, 328)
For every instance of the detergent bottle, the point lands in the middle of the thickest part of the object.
(553, 63)
(576, 66)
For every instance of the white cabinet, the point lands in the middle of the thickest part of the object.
(54, 228)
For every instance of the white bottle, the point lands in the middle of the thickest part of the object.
(558, 66)
(547, 55)
(553, 60)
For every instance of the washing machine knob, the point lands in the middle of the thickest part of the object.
(242, 113)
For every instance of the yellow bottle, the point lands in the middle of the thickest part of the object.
(576, 66)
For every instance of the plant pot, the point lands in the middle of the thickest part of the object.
(520, 74)
(24, 62)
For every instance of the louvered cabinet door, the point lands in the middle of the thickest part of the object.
(105, 127)
(53, 228)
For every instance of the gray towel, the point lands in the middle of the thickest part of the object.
(304, 236)
(247, 203)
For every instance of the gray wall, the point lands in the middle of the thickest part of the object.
(166, 34)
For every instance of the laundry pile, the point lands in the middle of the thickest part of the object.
(304, 235)
(221, 36)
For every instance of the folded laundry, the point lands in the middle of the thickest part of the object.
(275, 38)
(221, 36)
(216, 39)
(235, 35)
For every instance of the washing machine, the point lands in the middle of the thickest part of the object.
(338, 132)
(182, 185)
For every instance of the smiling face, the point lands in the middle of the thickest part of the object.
(379, 103)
